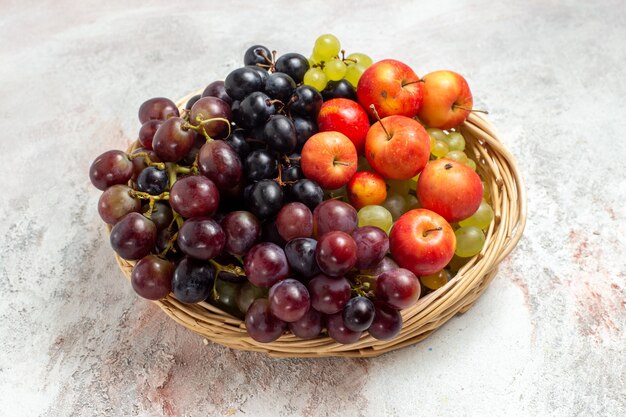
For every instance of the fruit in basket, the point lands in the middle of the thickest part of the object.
(289, 300)
(330, 159)
(447, 100)
(261, 324)
(158, 108)
(365, 189)
(334, 215)
(110, 168)
(399, 288)
(345, 116)
(336, 253)
(152, 277)
(470, 241)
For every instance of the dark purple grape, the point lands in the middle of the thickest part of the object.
(158, 108)
(194, 196)
(161, 216)
(387, 322)
(219, 162)
(110, 168)
(264, 198)
(254, 110)
(152, 277)
(358, 314)
(332, 215)
(193, 280)
(152, 180)
(208, 108)
(217, 89)
(133, 236)
(329, 295)
(280, 134)
(336, 253)
(338, 330)
(294, 65)
(279, 86)
(398, 287)
(173, 140)
(306, 101)
(300, 254)
(339, 89)
(270, 234)
(289, 300)
(247, 294)
(116, 202)
(309, 326)
(372, 245)
(307, 192)
(201, 238)
(192, 101)
(294, 220)
(260, 165)
(266, 264)
(238, 142)
(262, 72)
(261, 324)
(242, 230)
(243, 81)
(257, 54)
(147, 131)
(226, 297)
(305, 128)
(292, 174)
(370, 276)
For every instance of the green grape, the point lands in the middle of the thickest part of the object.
(335, 69)
(327, 46)
(362, 59)
(457, 263)
(363, 164)
(458, 156)
(469, 241)
(432, 141)
(412, 202)
(414, 182)
(481, 218)
(399, 186)
(436, 280)
(396, 204)
(375, 216)
(470, 163)
(353, 74)
(316, 78)
(437, 134)
(440, 149)
(312, 61)
(455, 141)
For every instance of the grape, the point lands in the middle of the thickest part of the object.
(470, 163)
(358, 314)
(372, 245)
(192, 101)
(292, 174)
(338, 330)
(218, 90)
(243, 81)
(192, 280)
(116, 202)
(266, 264)
(280, 134)
(152, 277)
(353, 74)
(309, 326)
(455, 141)
(279, 86)
(339, 89)
(336, 253)
(396, 204)
(307, 192)
(238, 142)
(242, 231)
(190, 157)
(227, 293)
(469, 241)
(210, 108)
(334, 70)
(316, 78)
(300, 254)
(371, 276)
(194, 196)
(481, 218)
(173, 140)
(294, 220)
(260, 164)
(305, 128)
(201, 238)
(133, 236)
(161, 216)
(294, 65)
(247, 294)
(110, 168)
(398, 287)
(261, 324)
(306, 101)
(147, 131)
(152, 180)
(362, 59)
(289, 300)
(270, 234)
(158, 108)
(329, 295)
(412, 202)
(254, 110)
(436, 280)
(456, 263)
(334, 215)
(257, 54)
(458, 156)
(219, 162)
(439, 149)
(387, 322)
(264, 198)
(326, 46)
(400, 186)
(437, 134)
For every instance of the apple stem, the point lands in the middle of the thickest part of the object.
(413, 82)
(448, 166)
(373, 108)
(456, 106)
(436, 229)
(347, 164)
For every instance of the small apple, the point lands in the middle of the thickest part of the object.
(397, 147)
(365, 189)
(447, 100)
(449, 188)
(422, 242)
(391, 86)
(345, 116)
(329, 158)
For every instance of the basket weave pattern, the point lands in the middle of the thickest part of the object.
(497, 168)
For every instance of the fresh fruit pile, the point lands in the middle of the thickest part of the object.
(315, 195)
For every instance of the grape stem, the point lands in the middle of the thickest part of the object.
(456, 106)
(201, 122)
(146, 158)
(170, 244)
(232, 269)
(145, 196)
(373, 108)
(184, 170)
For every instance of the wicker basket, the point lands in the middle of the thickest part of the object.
(508, 199)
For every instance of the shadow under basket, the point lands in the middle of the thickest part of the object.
(496, 167)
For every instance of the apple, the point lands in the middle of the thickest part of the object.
(365, 189)
(329, 158)
(392, 87)
(447, 100)
(397, 147)
(422, 242)
(450, 188)
(345, 116)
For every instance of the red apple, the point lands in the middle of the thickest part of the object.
(329, 158)
(345, 116)
(366, 188)
(397, 147)
(447, 100)
(449, 188)
(422, 242)
(392, 87)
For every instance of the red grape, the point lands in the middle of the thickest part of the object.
(398, 287)
(133, 236)
(358, 314)
(266, 264)
(329, 295)
(210, 108)
(336, 253)
(217, 89)
(294, 220)
(194, 196)
(218, 161)
(152, 277)
(338, 330)
(110, 168)
(332, 215)
(261, 324)
(147, 131)
(387, 322)
(116, 202)
(173, 140)
(158, 108)
(242, 230)
(201, 238)
(289, 300)
(372, 245)
(309, 326)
